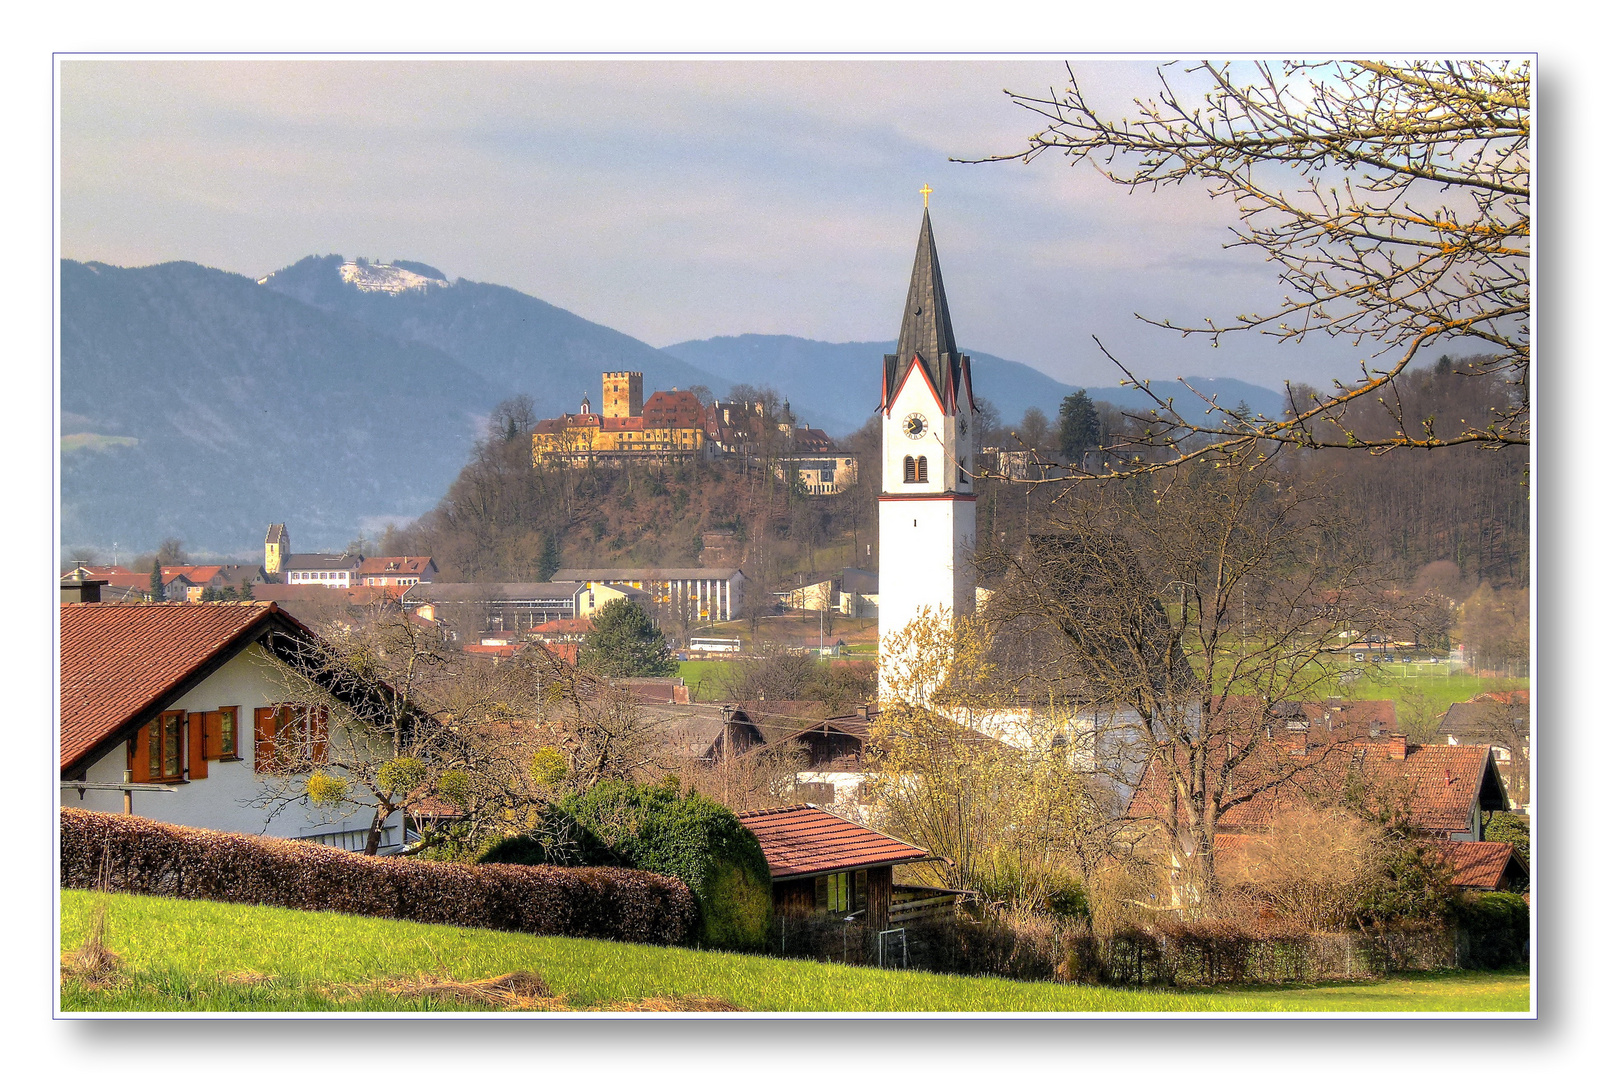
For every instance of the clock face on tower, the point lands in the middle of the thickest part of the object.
(962, 425)
(915, 425)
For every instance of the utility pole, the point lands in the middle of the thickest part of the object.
(726, 749)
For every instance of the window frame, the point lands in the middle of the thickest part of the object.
(164, 736)
(305, 724)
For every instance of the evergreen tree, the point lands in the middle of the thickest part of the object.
(157, 587)
(549, 557)
(247, 591)
(624, 643)
(1079, 427)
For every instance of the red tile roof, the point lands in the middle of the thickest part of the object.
(118, 577)
(800, 841)
(1477, 864)
(117, 660)
(394, 564)
(564, 651)
(492, 650)
(1439, 785)
(564, 626)
(1481, 864)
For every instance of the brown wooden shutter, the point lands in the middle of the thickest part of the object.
(319, 734)
(265, 739)
(197, 754)
(212, 734)
(139, 755)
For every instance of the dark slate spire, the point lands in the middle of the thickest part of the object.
(926, 330)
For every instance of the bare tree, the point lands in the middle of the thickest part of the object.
(387, 720)
(1411, 227)
(1194, 613)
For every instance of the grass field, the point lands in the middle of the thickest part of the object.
(186, 955)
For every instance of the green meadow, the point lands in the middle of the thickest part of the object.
(197, 956)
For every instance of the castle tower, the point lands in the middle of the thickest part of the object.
(927, 509)
(623, 394)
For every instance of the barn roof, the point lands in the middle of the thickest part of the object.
(802, 841)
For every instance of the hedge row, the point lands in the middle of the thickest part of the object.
(1210, 952)
(666, 831)
(131, 854)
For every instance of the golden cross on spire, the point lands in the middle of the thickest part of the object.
(926, 193)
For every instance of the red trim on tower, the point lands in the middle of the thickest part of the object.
(918, 364)
(945, 496)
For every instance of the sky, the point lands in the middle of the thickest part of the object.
(675, 198)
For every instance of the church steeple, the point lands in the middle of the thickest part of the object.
(926, 330)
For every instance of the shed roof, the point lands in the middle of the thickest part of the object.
(1482, 864)
(803, 841)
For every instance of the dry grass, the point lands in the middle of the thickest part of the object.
(516, 990)
(92, 963)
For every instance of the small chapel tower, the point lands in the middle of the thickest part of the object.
(927, 509)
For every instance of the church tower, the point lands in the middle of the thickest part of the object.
(927, 509)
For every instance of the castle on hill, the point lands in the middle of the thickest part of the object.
(674, 426)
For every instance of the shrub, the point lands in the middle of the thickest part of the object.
(1511, 829)
(699, 842)
(136, 855)
(1496, 928)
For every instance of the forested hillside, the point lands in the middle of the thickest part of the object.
(1407, 513)
(197, 404)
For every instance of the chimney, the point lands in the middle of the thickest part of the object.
(1397, 745)
(79, 588)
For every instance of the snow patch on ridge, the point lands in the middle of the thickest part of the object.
(387, 278)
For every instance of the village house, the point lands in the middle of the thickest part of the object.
(1502, 720)
(1444, 792)
(396, 571)
(182, 712)
(329, 571)
(821, 466)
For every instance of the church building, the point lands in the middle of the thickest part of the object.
(927, 509)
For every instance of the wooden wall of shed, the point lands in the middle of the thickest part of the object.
(794, 898)
(879, 892)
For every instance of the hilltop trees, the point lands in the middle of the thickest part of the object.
(1407, 224)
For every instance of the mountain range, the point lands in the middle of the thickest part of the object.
(337, 394)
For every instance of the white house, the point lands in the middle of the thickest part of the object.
(178, 707)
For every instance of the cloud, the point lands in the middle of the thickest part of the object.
(671, 199)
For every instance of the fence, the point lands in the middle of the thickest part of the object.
(1197, 955)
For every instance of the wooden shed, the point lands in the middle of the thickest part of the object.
(821, 862)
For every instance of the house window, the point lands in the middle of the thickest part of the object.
(290, 738)
(832, 893)
(159, 751)
(221, 734)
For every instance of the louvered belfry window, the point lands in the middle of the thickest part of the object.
(915, 470)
